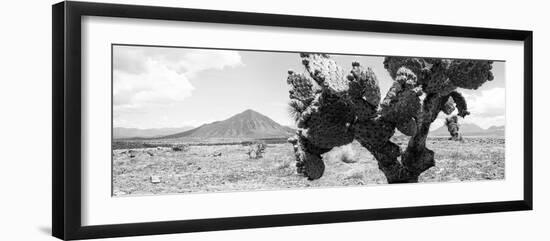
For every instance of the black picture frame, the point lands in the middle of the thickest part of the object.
(66, 127)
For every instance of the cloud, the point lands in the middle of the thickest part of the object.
(128, 59)
(487, 108)
(156, 85)
(131, 59)
(489, 103)
(198, 60)
(147, 76)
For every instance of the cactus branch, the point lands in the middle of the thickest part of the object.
(460, 104)
(452, 126)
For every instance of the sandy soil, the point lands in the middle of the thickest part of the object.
(161, 170)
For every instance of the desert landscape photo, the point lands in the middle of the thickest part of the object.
(192, 120)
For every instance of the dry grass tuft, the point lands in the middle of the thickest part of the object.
(283, 163)
(344, 154)
(355, 174)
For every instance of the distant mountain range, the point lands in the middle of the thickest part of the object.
(253, 125)
(470, 129)
(123, 133)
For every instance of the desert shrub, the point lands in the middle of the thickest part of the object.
(180, 148)
(149, 145)
(355, 174)
(283, 163)
(247, 143)
(344, 154)
(256, 150)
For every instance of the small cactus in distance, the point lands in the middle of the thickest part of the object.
(452, 126)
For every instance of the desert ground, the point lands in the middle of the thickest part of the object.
(142, 168)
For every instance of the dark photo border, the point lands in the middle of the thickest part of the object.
(66, 122)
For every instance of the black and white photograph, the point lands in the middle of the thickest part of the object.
(201, 120)
(274, 120)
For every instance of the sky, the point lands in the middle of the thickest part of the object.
(160, 87)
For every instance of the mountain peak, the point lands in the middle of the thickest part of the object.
(247, 124)
(249, 111)
(251, 116)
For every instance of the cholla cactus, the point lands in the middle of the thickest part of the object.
(452, 125)
(332, 109)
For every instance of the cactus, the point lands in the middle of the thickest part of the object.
(333, 109)
(452, 125)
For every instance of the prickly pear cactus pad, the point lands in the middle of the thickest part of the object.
(332, 108)
(364, 92)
